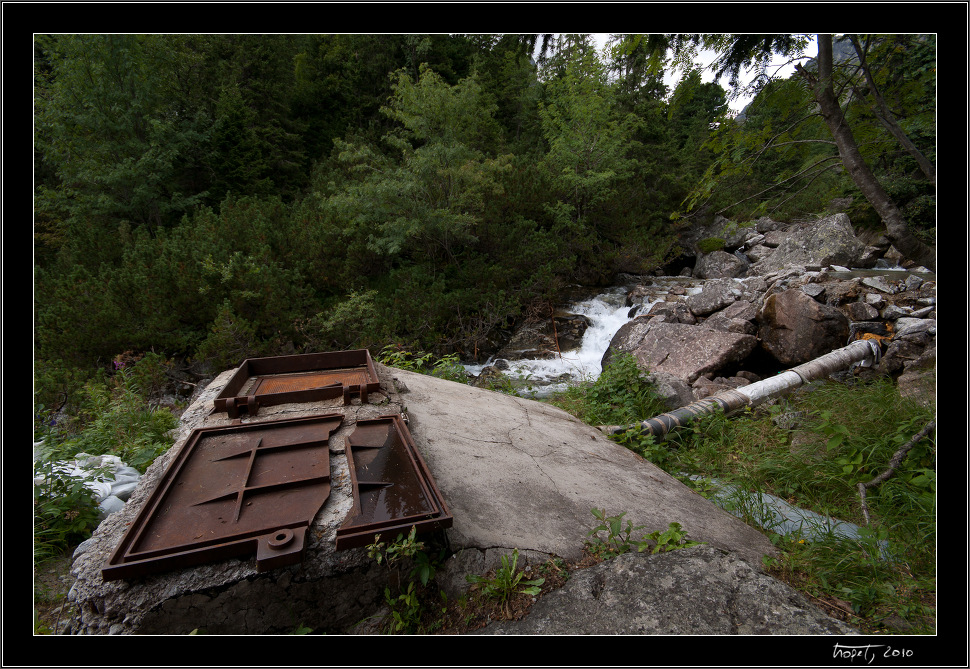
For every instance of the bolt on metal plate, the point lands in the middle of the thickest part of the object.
(232, 491)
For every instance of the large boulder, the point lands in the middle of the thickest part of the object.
(827, 241)
(794, 328)
(515, 473)
(697, 590)
(719, 265)
(683, 351)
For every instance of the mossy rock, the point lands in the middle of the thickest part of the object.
(710, 244)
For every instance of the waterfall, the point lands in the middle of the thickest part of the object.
(608, 312)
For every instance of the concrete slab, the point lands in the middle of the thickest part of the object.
(517, 473)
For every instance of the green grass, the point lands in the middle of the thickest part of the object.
(114, 417)
(843, 434)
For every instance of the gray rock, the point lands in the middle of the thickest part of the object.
(880, 284)
(860, 311)
(765, 225)
(758, 252)
(827, 241)
(724, 323)
(813, 290)
(753, 240)
(909, 326)
(794, 328)
(684, 351)
(697, 590)
(718, 265)
(741, 310)
(673, 312)
(716, 294)
(892, 312)
(918, 380)
(913, 282)
(674, 392)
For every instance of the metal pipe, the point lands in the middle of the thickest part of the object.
(865, 351)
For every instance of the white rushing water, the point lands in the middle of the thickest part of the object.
(608, 312)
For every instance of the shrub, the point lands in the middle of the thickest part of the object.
(351, 323)
(65, 512)
(118, 421)
(710, 245)
(231, 340)
(620, 395)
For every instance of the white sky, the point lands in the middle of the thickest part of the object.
(705, 58)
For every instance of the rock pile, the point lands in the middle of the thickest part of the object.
(794, 301)
(110, 480)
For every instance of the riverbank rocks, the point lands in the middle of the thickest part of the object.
(799, 300)
(794, 328)
(543, 338)
(827, 241)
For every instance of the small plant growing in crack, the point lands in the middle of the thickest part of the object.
(406, 609)
(611, 537)
(507, 581)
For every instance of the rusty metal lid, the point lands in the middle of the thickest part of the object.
(392, 486)
(232, 491)
(309, 377)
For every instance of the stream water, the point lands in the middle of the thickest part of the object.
(607, 311)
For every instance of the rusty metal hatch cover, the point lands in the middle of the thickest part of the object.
(298, 378)
(392, 486)
(232, 491)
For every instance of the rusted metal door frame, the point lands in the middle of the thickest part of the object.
(281, 480)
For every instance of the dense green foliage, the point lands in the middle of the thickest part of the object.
(212, 197)
(782, 160)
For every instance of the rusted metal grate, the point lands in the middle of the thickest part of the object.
(392, 486)
(232, 491)
(298, 378)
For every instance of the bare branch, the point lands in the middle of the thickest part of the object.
(894, 462)
(781, 183)
(807, 184)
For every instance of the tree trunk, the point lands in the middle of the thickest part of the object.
(897, 230)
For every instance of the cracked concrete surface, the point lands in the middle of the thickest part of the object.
(534, 488)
